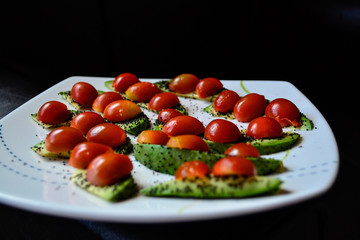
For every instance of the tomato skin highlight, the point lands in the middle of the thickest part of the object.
(208, 87)
(181, 125)
(192, 169)
(163, 100)
(226, 101)
(284, 111)
(188, 141)
(237, 166)
(121, 111)
(142, 91)
(108, 168)
(152, 137)
(222, 131)
(166, 114)
(53, 112)
(242, 150)
(264, 127)
(86, 120)
(104, 99)
(249, 107)
(184, 83)
(63, 139)
(83, 93)
(123, 81)
(85, 152)
(108, 134)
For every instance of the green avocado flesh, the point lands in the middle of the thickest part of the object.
(66, 95)
(136, 125)
(124, 189)
(215, 187)
(74, 113)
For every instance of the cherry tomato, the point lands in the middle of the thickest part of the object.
(53, 112)
(242, 150)
(192, 169)
(152, 137)
(226, 101)
(85, 152)
(222, 131)
(108, 168)
(183, 125)
(104, 99)
(208, 87)
(184, 83)
(107, 133)
(166, 114)
(86, 120)
(163, 100)
(123, 81)
(264, 127)
(188, 141)
(249, 107)
(284, 111)
(63, 139)
(121, 110)
(237, 166)
(83, 93)
(142, 91)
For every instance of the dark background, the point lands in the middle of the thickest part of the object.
(313, 44)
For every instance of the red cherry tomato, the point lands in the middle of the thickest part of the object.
(166, 114)
(104, 99)
(63, 139)
(192, 142)
(123, 81)
(249, 107)
(183, 125)
(264, 127)
(83, 93)
(237, 166)
(108, 168)
(121, 110)
(192, 169)
(152, 137)
(107, 133)
(226, 101)
(242, 150)
(208, 87)
(53, 112)
(86, 120)
(163, 100)
(284, 111)
(85, 152)
(222, 131)
(142, 91)
(184, 83)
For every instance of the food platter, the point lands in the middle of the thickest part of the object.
(37, 184)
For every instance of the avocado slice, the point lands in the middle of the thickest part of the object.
(124, 189)
(66, 95)
(74, 113)
(215, 187)
(136, 125)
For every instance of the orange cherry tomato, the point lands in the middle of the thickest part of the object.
(166, 114)
(222, 131)
(63, 139)
(123, 81)
(192, 169)
(184, 83)
(86, 120)
(85, 152)
(104, 99)
(208, 87)
(264, 127)
(226, 101)
(121, 110)
(142, 91)
(107, 133)
(108, 168)
(152, 137)
(181, 125)
(53, 112)
(284, 111)
(163, 100)
(237, 166)
(242, 150)
(188, 141)
(249, 107)
(83, 93)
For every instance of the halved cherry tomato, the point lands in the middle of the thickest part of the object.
(86, 120)
(121, 110)
(183, 125)
(152, 137)
(284, 111)
(184, 83)
(242, 150)
(123, 81)
(237, 166)
(192, 169)
(83, 93)
(108, 168)
(107, 133)
(63, 139)
(222, 131)
(104, 99)
(163, 100)
(264, 127)
(208, 87)
(249, 107)
(226, 101)
(166, 114)
(142, 91)
(53, 112)
(188, 141)
(85, 152)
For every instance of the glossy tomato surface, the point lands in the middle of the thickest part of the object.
(108, 134)
(192, 169)
(83, 93)
(86, 120)
(104, 99)
(166, 114)
(226, 101)
(249, 107)
(222, 131)
(183, 125)
(123, 81)
(53, 112)
(121, 110)
(85, 152)
(242, 150)
(237, 166)
(188, 141)
(208, 87)
(163, 100)
(152, 137)
(63, 139)
(284, 111)
(184, 83)
(142, 91)
(264, 127)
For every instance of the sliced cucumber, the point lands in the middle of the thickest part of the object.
(66, 95)
(74, 113)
